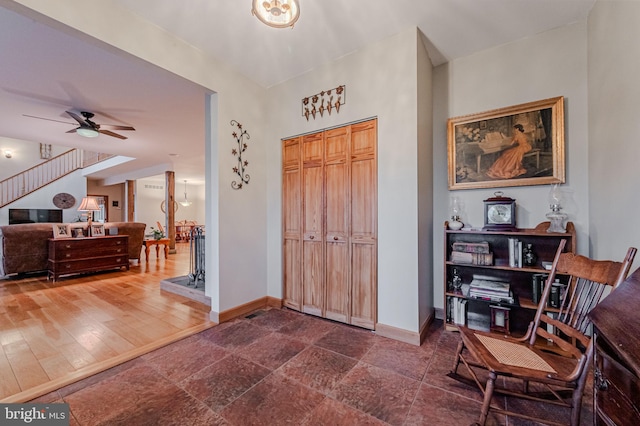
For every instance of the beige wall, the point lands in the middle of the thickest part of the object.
(614, 132)
(550, 64)
(381, 81)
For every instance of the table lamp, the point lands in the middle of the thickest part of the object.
(89, 205)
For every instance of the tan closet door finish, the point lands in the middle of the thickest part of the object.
(292, 223)
(330, 224)
(312, 247)
(364, 224)
(337, 224)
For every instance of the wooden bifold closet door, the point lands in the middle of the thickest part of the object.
(330, 223)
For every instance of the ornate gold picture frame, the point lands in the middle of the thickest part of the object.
(513, 146)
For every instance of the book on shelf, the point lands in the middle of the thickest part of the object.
(465, 247)
(515, 253)
(537, 286)
(459, 308)
(482, 259)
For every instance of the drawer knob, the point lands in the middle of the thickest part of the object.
(335, 238)
(311, 237)
(68, 255)
(599, 380)
(67, 246)
(67, 266)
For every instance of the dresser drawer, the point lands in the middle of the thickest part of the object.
(82, 255)
(617, 393)
(72, 252)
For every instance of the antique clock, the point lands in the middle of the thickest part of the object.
(64, 200)
(499, 213)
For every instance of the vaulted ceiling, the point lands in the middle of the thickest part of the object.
(44, 71)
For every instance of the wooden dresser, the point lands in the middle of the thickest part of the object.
(82, 255)
(616, 323)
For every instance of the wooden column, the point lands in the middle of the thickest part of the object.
(170, 215)
(131, 200)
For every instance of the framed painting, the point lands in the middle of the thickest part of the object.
(513, 146)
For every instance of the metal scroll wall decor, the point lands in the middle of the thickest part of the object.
(327, 100)
(239, 136)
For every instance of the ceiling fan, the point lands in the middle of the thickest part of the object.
(89, 128)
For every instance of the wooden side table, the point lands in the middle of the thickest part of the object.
(162, 241)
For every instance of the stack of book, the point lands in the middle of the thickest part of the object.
(515, 253)
(471, 253)
(458, 308)
(490, 289)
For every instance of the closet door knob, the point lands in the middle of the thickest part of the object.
(335, 238)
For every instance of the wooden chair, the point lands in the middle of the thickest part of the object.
(554, 355)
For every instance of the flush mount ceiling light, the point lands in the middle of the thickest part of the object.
(87, 132)
(276, 13)
(185, 202)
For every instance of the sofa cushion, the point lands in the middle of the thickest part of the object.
(24, 247)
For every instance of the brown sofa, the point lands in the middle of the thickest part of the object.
(24, 247)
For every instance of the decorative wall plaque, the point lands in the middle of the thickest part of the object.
(325, 101)
(239, 169)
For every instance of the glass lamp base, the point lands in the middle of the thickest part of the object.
(557, 222)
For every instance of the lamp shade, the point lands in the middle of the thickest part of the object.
(276, 13)
(88, 204)
(87, 132)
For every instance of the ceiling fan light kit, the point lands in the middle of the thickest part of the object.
(88, 128)
(276, 13)
(87, 132)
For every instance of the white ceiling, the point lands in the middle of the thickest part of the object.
(44, 72)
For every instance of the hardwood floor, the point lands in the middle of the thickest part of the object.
(53, 334)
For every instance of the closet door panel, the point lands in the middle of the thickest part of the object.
(364, 225)
(337, 281)
(337, 275)
(292, 223)
(363, 285)
(313, 231)
(291, 274)
(313, 280)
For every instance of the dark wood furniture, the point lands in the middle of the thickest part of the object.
(159, 242)
(83, 255)
(477, 313)
(552, 360)
(616, 324)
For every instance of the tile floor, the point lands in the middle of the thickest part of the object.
(278, 367)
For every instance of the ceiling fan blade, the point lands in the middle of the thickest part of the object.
(110, 133)
(48, 119)
(76, 117)
(71, 131)
(115, 127)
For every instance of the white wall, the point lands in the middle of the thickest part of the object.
(614, 128)
(150, 193)
(550, 64)
(73, 184)
(114, 193)
(25, 154)
(380, 81)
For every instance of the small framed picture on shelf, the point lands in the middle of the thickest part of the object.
(97, 229)
(499, 319)
(77, 231)
(61, 230)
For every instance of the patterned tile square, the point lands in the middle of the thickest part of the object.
(318, 368)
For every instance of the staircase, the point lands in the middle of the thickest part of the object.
(17, 186)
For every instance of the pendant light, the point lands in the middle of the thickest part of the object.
(185, 202)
